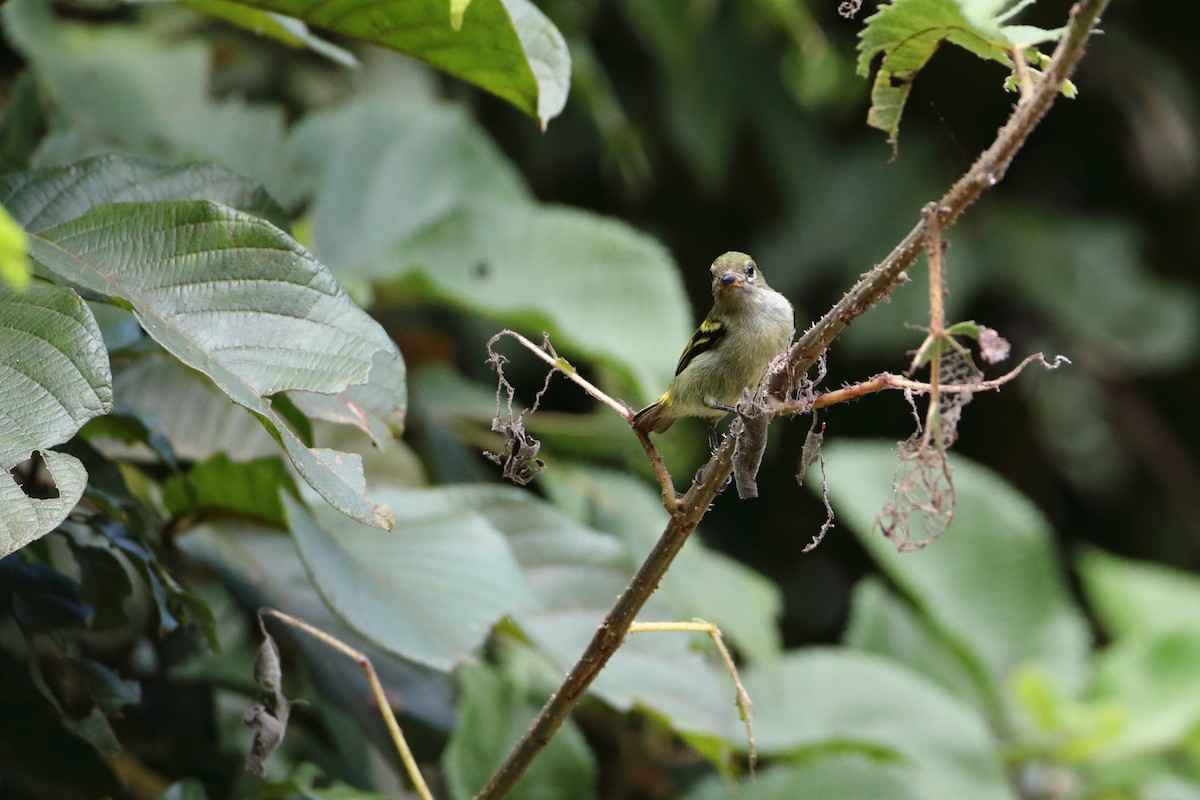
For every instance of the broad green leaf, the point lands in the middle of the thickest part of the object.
(220, 485)
(382, 171)
(991, 583)
(576, 574)
(430, 590)
(506, 47)
(824, 698)
(907, 32)
(291, 32)
(883, 623)
(41, 198)
(702, 582)
(377, 407)
(601, 289)
(55, 378)
(14, 257)
(235, 298)
(24, 519)
(494, 709)
(1137, 599)
(1153, 680)
(261, 567)
(55, 369)
(834, 776)
(471, 235)
(189, 411)
(120, 87)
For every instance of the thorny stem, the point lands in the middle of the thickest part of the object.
(385, 708)
(888, 380)
(937, 323)
(987, 170)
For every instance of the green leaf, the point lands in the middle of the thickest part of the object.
(883, 623)
(377, 407)
(825, 698)
(834, 776)
(907, 32)
(42, 198)
(187, 410)
(383, 171)
(291, 32)
(1139, 600)
(223, 486)
(576, 574)
(494, 709)
(702, 582)
(235, 298)
(55, 378)
(1153, 679)
(429, 591)
(14, 258)
(56, 373)
(991, 583)
(261, 567)
(601, 289)
(506, 47)
(116, 86)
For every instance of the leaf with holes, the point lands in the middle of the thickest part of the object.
(55, 378)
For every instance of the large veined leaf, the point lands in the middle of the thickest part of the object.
(430, 590)
(506, 47)
(991, 582)
(55, 377)
(907, 32)
(42, 198)
(235, 298)
(839, 698)
(38, 199)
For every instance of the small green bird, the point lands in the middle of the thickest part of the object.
(749, 324)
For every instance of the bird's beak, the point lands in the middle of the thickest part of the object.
(728, 280)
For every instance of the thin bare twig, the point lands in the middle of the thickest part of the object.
(566, 368)
(987, 170)
(546, 353)
(742, 697)
(385, 708)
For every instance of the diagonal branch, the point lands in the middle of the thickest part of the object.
(876, 284)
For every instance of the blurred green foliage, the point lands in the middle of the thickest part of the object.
(211, 194)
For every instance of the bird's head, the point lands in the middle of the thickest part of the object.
(734, 275)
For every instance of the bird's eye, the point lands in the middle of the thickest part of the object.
(749, 268)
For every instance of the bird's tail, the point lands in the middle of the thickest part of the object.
(655, 418)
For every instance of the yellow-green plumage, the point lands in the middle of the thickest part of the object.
(749, 324)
